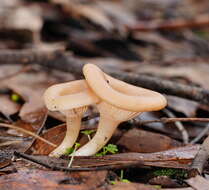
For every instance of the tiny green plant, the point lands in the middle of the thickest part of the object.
(121, 178)
(72, 152)
(157, 186)
(88, 133)
(110, 148)
(69, 151)
(15, 97)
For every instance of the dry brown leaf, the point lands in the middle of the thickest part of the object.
(136, 140)
(198, 73)
(54, 135)
(198, 183)
(185, 106)
(52, 180)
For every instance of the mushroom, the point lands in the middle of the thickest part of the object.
(119, 102)
(72, 99)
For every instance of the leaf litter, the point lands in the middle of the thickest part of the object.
(131, 36)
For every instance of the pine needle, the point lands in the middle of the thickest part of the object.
(27, 132)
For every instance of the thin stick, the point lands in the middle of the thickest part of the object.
(73, 155)
(180, 127)
(171, 120)
(64, 61)
(9, 143)
(27, 132)
(38, 132)
(201, 157)
(174, 24)
(201, 135)
(121, 165)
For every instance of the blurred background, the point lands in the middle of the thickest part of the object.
(157, 31)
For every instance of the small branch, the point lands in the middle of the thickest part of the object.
(201, 135)
(201, 157)
(174, 24)
(171, 120)
(59, 168)
(27, 132)
(65, 62)
(179, 125)
(7, 143)
(37, 133)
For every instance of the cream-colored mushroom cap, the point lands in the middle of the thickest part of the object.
(121, 94)
(69, 95)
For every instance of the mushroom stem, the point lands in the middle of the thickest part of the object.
(105, 131)
(73, 120)
(110, 118)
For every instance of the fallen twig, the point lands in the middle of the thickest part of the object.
(180, 127)
(66, 62)
(201, 135)
(7, 143)
(201, 157)
(175, 24)
(37, 133)
(171, 120)
(59, 168)
(27, 132)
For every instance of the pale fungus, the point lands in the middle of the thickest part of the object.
(72, 99)
(119, 102)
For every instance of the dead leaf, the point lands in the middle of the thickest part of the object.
(185, 106)
(198, 183)
(54, 135)
(52, 180)
(164, 181)
(198, 73)
(136, 140)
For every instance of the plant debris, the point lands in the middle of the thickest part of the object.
(156, 44)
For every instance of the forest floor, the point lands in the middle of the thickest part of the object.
(162, 45)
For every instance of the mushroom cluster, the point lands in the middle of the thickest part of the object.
(115, 100)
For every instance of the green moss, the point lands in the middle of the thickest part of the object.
(121, 179)
(157, 186)
(170, 172)
(202, 34)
